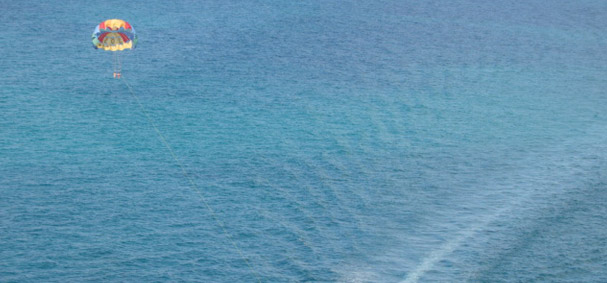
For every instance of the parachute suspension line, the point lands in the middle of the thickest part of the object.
(185, 173)
(117, 65)
(114, 56)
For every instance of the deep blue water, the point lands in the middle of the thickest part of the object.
(349, 141)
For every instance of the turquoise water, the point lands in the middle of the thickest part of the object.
(355, 141)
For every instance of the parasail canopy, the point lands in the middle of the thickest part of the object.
(114, 35)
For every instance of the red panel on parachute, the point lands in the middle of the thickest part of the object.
(102, 36)
(124, 37)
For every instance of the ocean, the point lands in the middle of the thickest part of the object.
(319, 141)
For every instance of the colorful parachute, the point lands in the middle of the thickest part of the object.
(114, 35)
